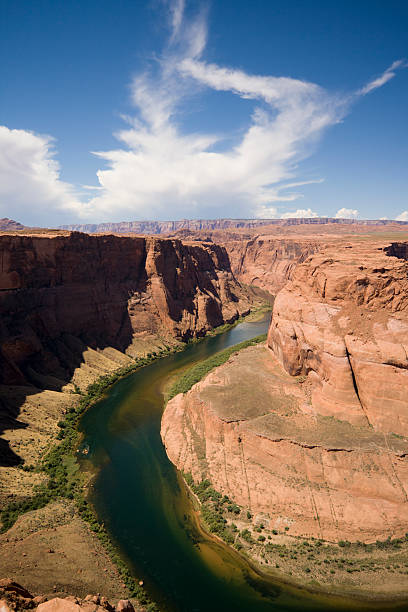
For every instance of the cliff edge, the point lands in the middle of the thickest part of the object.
(310, 431)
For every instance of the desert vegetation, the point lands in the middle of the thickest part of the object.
(198, 371)
(309, 561)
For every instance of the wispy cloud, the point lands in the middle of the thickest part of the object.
(160, 171)
(403, 216)
(386, 76)
(176, 13)
(164, 172)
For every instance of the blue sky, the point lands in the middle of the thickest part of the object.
(122, 110)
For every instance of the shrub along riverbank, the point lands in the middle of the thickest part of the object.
(64, 479)
(201, 369)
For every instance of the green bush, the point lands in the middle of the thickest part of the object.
(246, 535)
(198, 371)
(64, 483)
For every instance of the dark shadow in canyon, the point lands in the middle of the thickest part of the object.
(397, 249)
(51, 368)
(74, 297)
(60, 296)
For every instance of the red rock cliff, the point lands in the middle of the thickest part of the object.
(268, 262)
(343, 322)
(104, 290)
(312, 432)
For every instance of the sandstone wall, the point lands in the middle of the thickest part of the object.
(163, 227)
(311, 431)
(265, 447)
(268, 262)
(74, 307)
(343, 322)
(104, 290)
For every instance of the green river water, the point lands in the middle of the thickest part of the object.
(141, 499)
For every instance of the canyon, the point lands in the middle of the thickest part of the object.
(310, 431)
(75, 307)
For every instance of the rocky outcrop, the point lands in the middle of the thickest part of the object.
(251, 429)
(14, 597)
(397, 249)
(312, 430)
(343, 322)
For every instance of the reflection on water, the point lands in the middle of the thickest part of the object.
(143, 503)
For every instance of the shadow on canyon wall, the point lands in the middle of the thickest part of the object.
(49, 363)
(61, 295)
(398, 249)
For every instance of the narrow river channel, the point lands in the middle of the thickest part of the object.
(139, 495)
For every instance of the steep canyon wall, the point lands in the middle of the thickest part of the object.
(74, 307)
(105, 290)
(311, 431)
(163, 227)
(268, 262)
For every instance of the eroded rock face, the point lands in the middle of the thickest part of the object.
(192, 225)
(75, 307)
(104, 290)
(250, 428)
(343, 322)
(312, 430)
(268, 262)
(18, 598)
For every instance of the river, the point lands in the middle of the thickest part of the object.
(141, 499)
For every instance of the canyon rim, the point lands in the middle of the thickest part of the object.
(306, 433)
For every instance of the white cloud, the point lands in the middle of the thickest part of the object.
(300, 213)
(347, 213)
(158, 171)
(30, 184)
(267, 212)
(176, 13)
(386, 76)
(403, 216)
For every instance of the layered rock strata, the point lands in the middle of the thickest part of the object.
(268, 262)
(74, 307)
(163, 227)
(343, 322)
(9, 225)
(311, 430)
(104, 290)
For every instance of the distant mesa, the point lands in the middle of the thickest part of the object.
(196, 225)
(165, 227)
(7, 225)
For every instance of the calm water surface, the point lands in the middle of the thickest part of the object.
(139, 496)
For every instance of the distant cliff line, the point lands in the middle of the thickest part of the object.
(164, 227)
